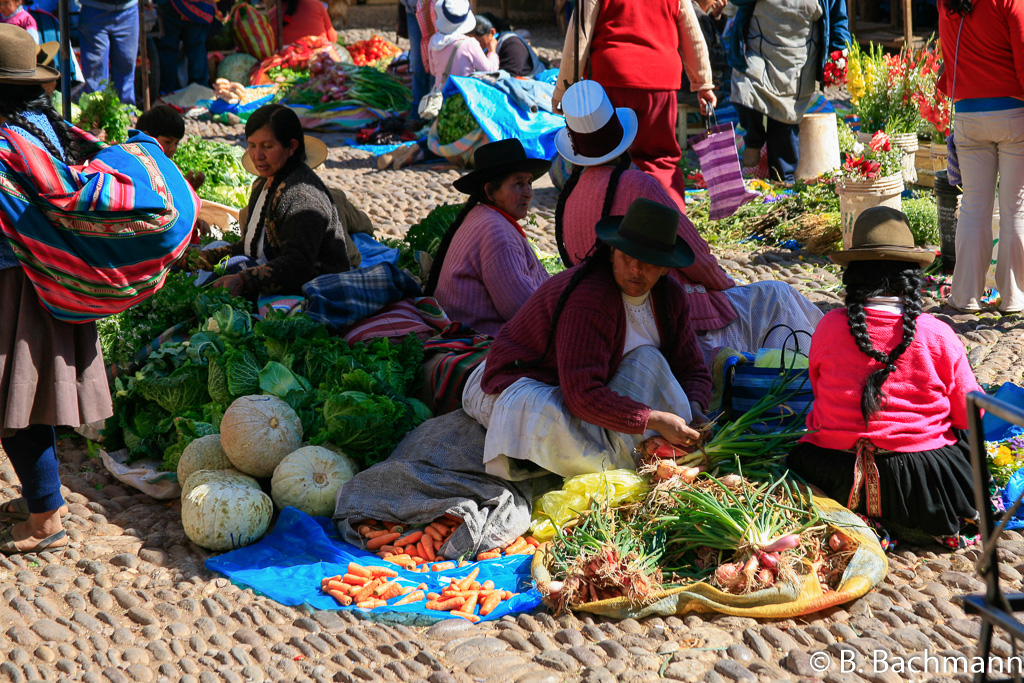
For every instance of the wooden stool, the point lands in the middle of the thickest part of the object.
(685, 129)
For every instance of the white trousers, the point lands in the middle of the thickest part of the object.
(990, 146)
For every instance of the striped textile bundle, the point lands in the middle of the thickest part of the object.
(94, 239)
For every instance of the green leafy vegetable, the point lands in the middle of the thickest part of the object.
(177, 392)
(455, 121)
(227, 182)
(278, 380)
(104, 109)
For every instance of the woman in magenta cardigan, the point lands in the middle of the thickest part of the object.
(600, 355)
(485, 268)
(886, 431)
(595, 140)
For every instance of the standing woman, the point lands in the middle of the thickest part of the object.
(983, 44)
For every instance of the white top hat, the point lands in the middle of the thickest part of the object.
(595, 132)
(454, 17)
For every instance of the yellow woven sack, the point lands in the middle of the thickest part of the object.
(866, 569)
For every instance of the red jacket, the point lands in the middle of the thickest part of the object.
(636, 45)
(588, 348)
(990, 62)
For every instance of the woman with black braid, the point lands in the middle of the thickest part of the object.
(890, 386)
(293, 233)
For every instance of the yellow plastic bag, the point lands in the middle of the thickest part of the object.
(613, 487)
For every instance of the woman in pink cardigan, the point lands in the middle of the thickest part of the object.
(595, 140)
(452, 52)
(485, 268)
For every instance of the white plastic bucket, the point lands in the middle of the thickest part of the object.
(909, 143)
(819, 146)
(857, 195)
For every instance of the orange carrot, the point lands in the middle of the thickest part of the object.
(415, 596)
(450, 518)
(432, 596)
(417, 550)
(327, 579)
(462, 563)
(338, 586)
(434, 533)
(488, 555)
(365, 529)
(377, 571)
(378, 541)
(390, 550)
(429, 547)
(371, 604)
(516, 545)
(375, 533)
(342, 599)
(440, 528)
(470, 605)
(358, 570)
(442, 566)
(354, 580)
(472, 617)
(388, 591)
(488, 585)
(407, 589)
(533, 541)
(508, 595)
(468, 581)
(366, 591)
(490, 602)
(445, 605)
(409, 539)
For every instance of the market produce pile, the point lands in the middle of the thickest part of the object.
(104, 110)
(455, 120)
(375, 51)
(225, 179)
(353, 397)
(331, 84)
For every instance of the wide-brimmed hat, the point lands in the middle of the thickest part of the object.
(454, 17)
(649, 233)
(499, 159)
(47, 52)
(18, 58)
(882, 234)
(316, 154)
(595, 132)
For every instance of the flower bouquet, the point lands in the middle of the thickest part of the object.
(935, 108)
(878, 159)
(882, 88)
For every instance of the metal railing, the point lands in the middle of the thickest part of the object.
(994, 607)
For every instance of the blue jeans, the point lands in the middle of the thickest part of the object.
(33, 455)
(176, 32)
(110, 37)
(782, 140)
(420, 80)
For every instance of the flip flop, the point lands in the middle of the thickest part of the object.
(17, 509)
(7, 546)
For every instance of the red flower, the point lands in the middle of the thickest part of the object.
(880, 142)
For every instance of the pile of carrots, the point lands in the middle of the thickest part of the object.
(523, 545)
(369, 587)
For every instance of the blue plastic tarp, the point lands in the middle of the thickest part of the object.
(996, 429)
(500, 119)
(373, 252)
(289, 562)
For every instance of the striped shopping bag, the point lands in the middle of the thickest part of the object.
(253, 32)
(720, 165)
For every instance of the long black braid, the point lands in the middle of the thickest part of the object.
(285, 125)
(866, 279)
(446, 241)
(961, 7)
(621, 166)
(16, 100)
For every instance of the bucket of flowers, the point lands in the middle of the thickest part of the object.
(871, 175)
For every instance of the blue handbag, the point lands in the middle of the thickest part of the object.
(746, 384)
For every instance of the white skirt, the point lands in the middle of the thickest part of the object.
(531, 432)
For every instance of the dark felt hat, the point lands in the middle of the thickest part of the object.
(649, 233)
(882, 234)
(497, 160)
(18, 53)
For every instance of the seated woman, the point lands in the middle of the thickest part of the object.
(485, 268)
(293, 233)
(596, 140)
(303, 18)
(601, 354)
(514, 54)
(452, 52)
(904, 446)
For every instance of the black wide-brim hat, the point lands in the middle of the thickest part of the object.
(497, 160)
(649, 232)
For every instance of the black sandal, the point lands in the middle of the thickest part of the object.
(7, 546)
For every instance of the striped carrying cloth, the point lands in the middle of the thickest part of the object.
(94, 239)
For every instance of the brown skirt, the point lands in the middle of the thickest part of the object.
(51, 372)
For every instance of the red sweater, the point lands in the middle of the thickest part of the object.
(703, 282)
(927, 393)
(991, 53)
(636, 45)
(588, 348)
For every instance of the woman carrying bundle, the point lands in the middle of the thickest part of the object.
(890, 385)
(600, 355)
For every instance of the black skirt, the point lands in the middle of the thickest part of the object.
(927, 490)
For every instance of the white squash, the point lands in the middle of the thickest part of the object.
(257, 432)
(309, 479)
(204, 453)
(205, 476)
(225, 514)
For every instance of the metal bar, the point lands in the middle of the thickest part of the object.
(144, 53)
(65, 58)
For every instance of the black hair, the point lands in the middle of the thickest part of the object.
(961, 7)
(284, 124)
(17, 100)
(621, 166)
(162, 121)
(483, 26)
(479, 196)
(865, 279)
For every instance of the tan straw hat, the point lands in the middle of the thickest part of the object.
(18, 58)
(882, 234)
(316, 154)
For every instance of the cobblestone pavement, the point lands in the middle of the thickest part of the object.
(130, 600)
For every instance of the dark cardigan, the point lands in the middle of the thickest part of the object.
(304, 236)
(588, 348)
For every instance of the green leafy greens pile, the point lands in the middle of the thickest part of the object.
(103, 109)
(455, 120)
(425, 236)
(352, 396)
(227, 182)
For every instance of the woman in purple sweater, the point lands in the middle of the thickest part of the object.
(600, 356)
(485, 268)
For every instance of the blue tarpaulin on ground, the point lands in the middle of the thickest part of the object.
(289, 562)
(500, 119)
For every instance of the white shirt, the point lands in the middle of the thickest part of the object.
(641, 328)
(255, 251)
(889, 304)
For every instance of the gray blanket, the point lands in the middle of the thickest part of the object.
(438, 468)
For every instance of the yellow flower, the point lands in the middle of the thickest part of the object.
(1003, 457)
(854, 80)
